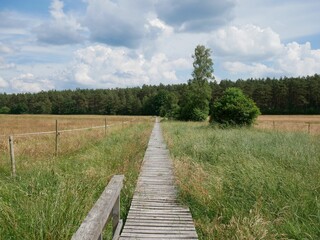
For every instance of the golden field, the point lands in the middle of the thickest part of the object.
(18, 124)
(31, 148)
(303, 123)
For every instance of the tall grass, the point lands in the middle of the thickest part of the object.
(50, 200)
(247, 183)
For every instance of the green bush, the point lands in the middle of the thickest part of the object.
(4, 110)
(234, 108)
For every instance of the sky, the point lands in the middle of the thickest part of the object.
(69, 44)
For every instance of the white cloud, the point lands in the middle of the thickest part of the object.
(81, 75)
(105, 67)
(152, 41)
(299, 60)
(159, 68)
(290, 18)
(158, 27)
(56, 10)
(255, 70)
(4, 65)
(294, 60)
(29, 83)
(128, 23)
(100, 66)
(62, 28)
(246, 42)
(3, 83)
(252, 51)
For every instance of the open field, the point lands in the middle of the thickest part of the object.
(32, 149)
(247, 183)
(19, 124)
(50, 197)
(300, 123)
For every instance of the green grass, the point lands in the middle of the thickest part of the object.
(247, 183)
(51, 200)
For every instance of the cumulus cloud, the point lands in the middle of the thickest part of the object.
(253, 51)
(128, 23)
(255, 70)
(102, 66)
(3, 83)
(248, 41)
(299, 59)
(294, 60)
(195, 16)
(30, 83)
(117, 23)
(62, 28)
(155, 27)
(105, 67)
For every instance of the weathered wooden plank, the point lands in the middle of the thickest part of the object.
(159, 218)
(191, 235)
(95, 221)
(155, 212)
(165, 222)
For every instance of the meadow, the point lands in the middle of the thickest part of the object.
(35, 140)
(247, 183)
(51, 195)
(258, 183)
(298, 123)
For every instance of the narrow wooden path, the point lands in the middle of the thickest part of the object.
(154, 211)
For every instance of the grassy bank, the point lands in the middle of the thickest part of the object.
(247, 183)
(50, 200)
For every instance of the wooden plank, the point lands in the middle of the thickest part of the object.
(95, 221)
(191, 235)
(155, 212)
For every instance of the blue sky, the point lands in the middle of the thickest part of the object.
(68, 44)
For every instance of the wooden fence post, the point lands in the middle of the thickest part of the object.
(57, 135)
(105, 127)
(13, 162)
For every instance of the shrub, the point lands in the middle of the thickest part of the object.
(234, 108)
(4, 110)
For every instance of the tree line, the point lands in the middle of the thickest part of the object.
(300, 95)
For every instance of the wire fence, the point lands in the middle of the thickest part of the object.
(297, 126)
(14, 137)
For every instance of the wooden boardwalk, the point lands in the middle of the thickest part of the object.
(154, 211)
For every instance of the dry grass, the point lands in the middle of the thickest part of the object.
(31, 150)
(17, 124)
(299, 123)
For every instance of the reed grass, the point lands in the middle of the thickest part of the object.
(50, 199)
(247, 183)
